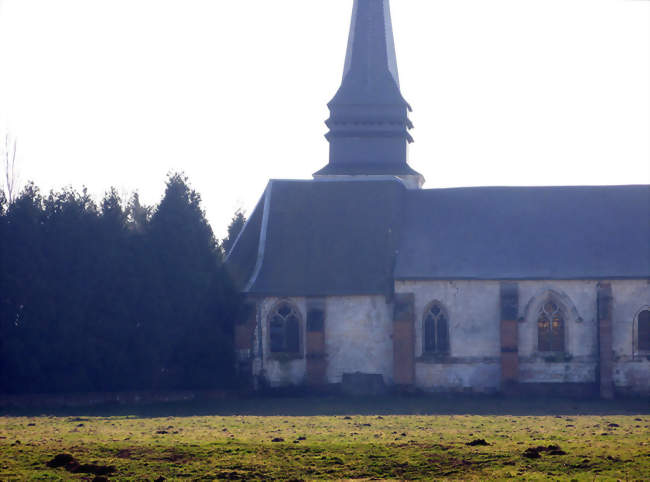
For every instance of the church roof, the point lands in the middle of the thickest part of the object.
(320, 238)
(598, 232)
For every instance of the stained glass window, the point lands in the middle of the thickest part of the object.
(550, 327)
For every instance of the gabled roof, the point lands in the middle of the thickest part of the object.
(320, 238)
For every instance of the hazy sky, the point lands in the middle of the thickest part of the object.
(505, 92)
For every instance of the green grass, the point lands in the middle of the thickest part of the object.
(388, 437)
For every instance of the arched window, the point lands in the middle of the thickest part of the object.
(550, 327)
(643, 330)
(284, 328)
(436, 329)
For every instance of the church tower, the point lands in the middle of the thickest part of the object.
(369, 121)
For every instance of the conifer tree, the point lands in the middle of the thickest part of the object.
(195, 349)
(108, 298)
(235, 227)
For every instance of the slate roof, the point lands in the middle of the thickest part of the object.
(520, 233)
(320, 238)
(323, 237)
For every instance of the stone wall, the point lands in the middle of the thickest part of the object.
(358, 337)
(631, 367)
(474, 335)
(278, 370)
(579, 362)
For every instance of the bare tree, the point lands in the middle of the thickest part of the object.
(10, 171)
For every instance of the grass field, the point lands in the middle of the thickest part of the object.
(332, 438)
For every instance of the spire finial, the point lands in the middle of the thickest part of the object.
(368, 116)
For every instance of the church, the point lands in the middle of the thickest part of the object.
(361, 272)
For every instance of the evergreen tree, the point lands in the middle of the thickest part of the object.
(111, 298)
(138, 216)
(22, 285)
(4, 300)
(235, 227)
(194, 339)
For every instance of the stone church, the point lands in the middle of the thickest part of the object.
(361, 271)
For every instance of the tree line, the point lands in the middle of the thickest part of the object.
(113, 296)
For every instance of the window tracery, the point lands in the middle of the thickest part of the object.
(550, 327)
(436, 329)
(284, 328)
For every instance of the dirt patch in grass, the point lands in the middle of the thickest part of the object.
(60, 460)
(479, 442)
(72, 465)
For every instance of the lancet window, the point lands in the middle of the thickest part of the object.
(550, 327)
(436, 329)
(284, 328)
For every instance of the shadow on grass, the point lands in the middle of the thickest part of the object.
(313, 405)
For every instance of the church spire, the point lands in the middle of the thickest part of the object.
(368, 116)
(371, 47)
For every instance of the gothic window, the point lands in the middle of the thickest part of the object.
(284, 328)
(436, 329)
(643, 329)
(550, 327)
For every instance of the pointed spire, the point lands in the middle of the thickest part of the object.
(371, 47)
(368, 116)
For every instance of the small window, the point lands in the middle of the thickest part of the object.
(284, 329)
(436, 329)
(643, 321)
(550, 327)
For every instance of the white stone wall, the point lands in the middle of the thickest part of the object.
(358, 336)
(580, 360)
(474, 315)
(631, 367)
(474, 335)
(277, 370)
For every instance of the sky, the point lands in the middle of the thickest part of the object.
(103, 93)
